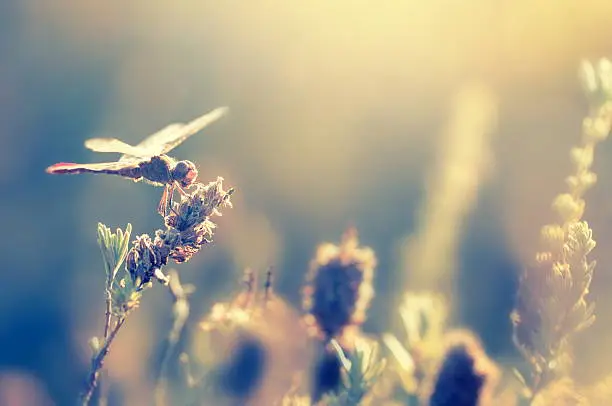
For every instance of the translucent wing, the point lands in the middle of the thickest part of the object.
(115, 145)
(171, 136)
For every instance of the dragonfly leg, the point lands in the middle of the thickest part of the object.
(176, 213)
(170, 199)
(162, 207)
(181, 190)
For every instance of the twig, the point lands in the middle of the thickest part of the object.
(109, 302)
(268, 286)
(98, 362)
(107, 325)
(180, 310)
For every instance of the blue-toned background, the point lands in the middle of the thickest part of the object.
(336, 113)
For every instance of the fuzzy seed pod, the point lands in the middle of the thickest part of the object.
(339, 288)
(466, 376)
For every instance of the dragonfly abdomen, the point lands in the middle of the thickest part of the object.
(132, 172)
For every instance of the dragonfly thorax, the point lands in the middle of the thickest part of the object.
(185, 173)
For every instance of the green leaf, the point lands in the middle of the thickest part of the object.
(361, 369)
(114, 249)
(125, 297)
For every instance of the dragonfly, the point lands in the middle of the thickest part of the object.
(147, 161)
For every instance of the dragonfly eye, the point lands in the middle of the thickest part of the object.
(185, 173)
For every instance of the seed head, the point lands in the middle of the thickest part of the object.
(466, 375)
(188, 229)
(339, 286)
(244, 342)
(144, 260)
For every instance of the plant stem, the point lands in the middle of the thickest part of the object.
(98, 362)
(160, 384)
(181, 313)
(108, 315)
(107, 325)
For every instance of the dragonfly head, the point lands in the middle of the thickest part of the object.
(185, 173)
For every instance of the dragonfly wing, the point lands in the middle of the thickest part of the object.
(102, 167)
(172, 135)
(114, 145)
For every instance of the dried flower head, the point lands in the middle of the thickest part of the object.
(466, 375)
(338, 286)
(145, 260)
(188, 228)
(244, 342)
(242, 369)
(552, 303)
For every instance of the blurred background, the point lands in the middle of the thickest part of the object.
(340, 115)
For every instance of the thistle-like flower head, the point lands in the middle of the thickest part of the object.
(466, 375)
(339, 288)
(188, 229)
